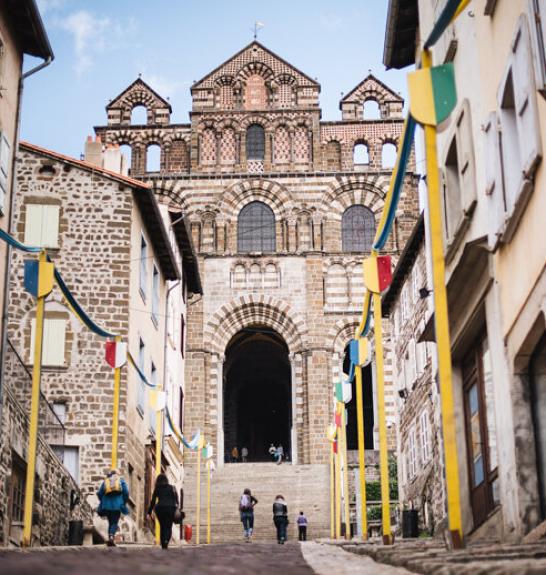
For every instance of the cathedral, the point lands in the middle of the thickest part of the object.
(283, 208)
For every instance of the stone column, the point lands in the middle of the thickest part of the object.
(217, 413)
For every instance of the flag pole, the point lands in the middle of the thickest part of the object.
(361, 453)
(198, 518)
(115, 411)
(208, 499)
(345, 472)
(158, 442)
(332, 493)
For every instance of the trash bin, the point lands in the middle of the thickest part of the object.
(410, 523)
(75, 532)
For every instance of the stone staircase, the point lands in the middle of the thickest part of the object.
(304, 487)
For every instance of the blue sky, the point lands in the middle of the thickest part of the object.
(102, 45)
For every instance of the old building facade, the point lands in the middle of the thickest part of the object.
(109, 239)
(282, 207)
(490, 154)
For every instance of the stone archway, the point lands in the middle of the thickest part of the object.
(257, 393)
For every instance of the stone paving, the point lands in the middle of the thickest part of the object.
(240, 559)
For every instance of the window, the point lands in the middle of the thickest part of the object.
(388, 155)
(141, 364)
(538, 37)
(155, 295)
(153, 158)
(255, 142)
(139, 115)
(358, 229)
(17, 488)
(182, 334)
(53, 342)
(256, 228)
(371, 110)
(42, 225)
(519, 124)
(425, 437)
(360, 154)
(143, 266)
(71, 460)
(451, 192)
(480, 431)
(412, 454)
(59, 409)
(180, 409)
(5, 155)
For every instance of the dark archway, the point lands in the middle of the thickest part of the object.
(367, 401)
(257, 393)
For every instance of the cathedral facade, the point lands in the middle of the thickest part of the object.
(283, 208)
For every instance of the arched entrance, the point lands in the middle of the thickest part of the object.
(257, 393)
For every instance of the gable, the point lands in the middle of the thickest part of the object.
(139, 93)
(254, 58)
(371, 87)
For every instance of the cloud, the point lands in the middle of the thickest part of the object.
(166, 87)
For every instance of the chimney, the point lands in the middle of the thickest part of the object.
(93, 151)
(113, 159)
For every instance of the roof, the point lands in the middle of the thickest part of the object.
(401, 33)
(404, 265)
(190, 262)
(254, 43)
(395, 97)
(144, 198)
(28, 28)
(144, 86)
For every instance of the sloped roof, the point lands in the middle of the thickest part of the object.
(233, 64)
(144, 86)
(370, 77)
(144, 198)
(28, 27)
(401, 33)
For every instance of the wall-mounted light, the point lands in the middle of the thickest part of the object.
(403, 393)
(424, 292)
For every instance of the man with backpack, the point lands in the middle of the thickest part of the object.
(246, 509)
(113, 495)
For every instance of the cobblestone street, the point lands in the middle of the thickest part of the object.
(240, 559)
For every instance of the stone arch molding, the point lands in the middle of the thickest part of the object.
(341, 333)
(255, 310)
(277, 197)
(363, 192)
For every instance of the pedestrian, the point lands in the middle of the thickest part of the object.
(280, 518)
(113, 495)
(165, 504)
(234, 454)
(279, 453)
(246, 509)
(302, 527)
(244, 454)
(272, 451)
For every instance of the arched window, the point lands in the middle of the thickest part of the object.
(126, 153)
(358, 229)
(371, 110)
(153, 158)
(388, 155)
(256, 228)
(361, 156)
(255, 142)
(139, 115)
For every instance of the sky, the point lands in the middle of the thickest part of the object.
(101, 46)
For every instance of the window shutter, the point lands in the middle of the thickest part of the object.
(537, 13)
(525, 100)
(4, 168)
(50, 226)
(33, 225)
(494, 186)
(53, 343)
(465, 155)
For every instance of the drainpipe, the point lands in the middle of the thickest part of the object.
(13, 191)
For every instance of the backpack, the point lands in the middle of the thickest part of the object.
(112, 485)
(246, 503)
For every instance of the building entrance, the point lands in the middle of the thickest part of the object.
(257, 393)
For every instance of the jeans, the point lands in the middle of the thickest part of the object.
(113, 520)
(165, 516)
(247, 517)
(302, 532)
(281, 522)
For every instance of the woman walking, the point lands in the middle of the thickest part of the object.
(246, 509)
(280, 518)
(165, 501)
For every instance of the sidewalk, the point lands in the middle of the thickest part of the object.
(432, 558)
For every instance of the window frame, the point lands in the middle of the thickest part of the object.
(143, 267)
(141, 391)
(30, 236)
(248, 223)
(255, 146)
(156, 286)
(353, 239)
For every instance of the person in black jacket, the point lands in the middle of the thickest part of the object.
(280, 518)
(165, 500)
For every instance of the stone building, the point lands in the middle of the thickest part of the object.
(282, 207)
(494, 199)
(107, 236)
(419, 435)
